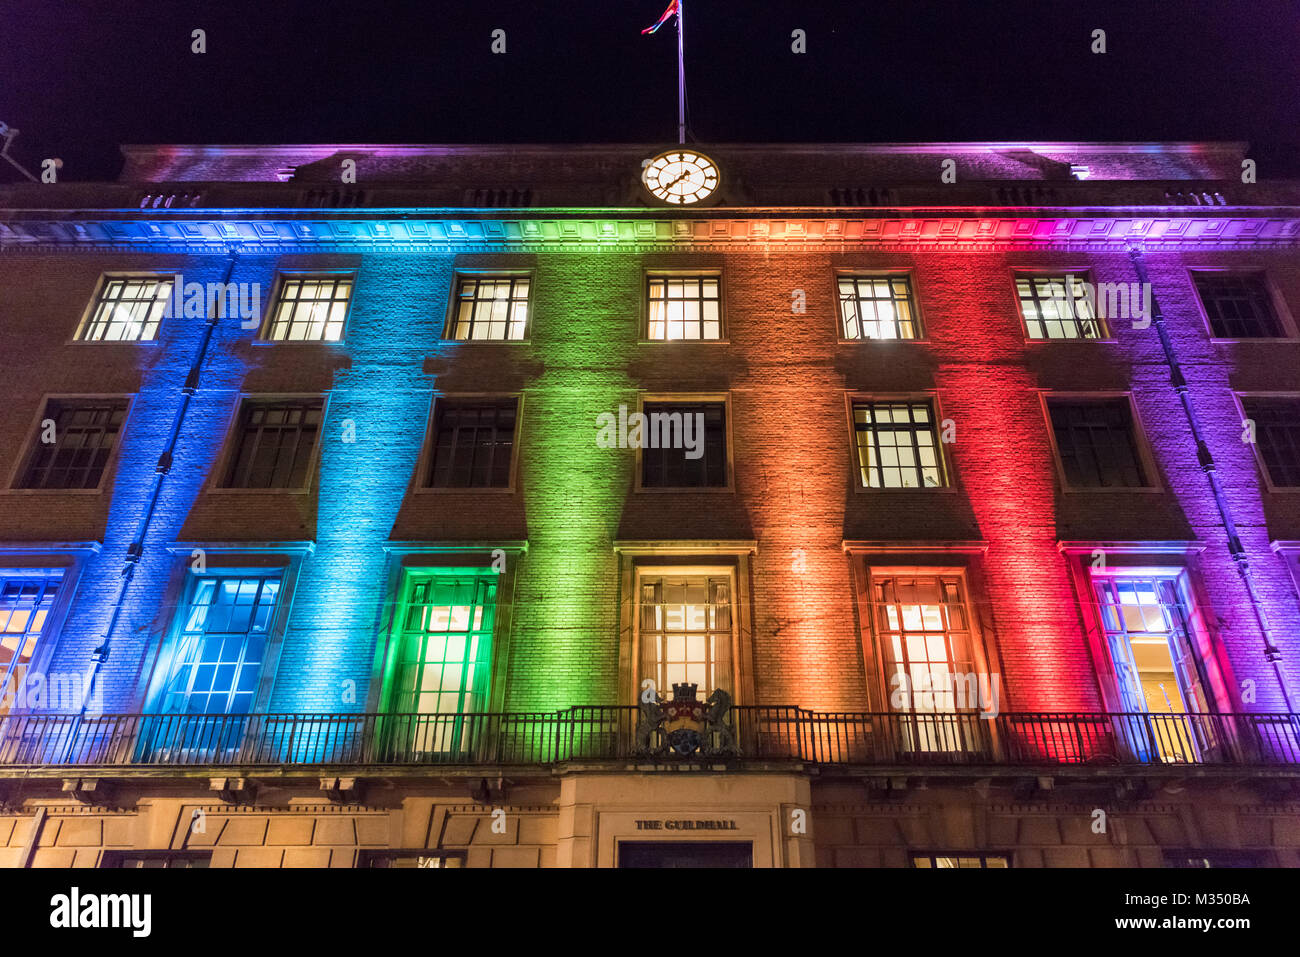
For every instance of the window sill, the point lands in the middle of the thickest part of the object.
(298, 342)
(1112, 489)
(859, 342)
(53, 491)
(448, 340)
(471, 490)
(224, 490)
(1270, 339)
(675, 489)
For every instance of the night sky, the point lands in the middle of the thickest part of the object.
(80, 78)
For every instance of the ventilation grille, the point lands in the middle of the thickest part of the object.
(499, 198)
(860, 196)
(169, 200)
(1181, 198)
(1024, 195)
(341, 198)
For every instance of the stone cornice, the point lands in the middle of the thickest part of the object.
(283, 231)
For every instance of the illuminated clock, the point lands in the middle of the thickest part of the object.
(681, 176)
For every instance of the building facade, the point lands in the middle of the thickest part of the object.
(362, 506)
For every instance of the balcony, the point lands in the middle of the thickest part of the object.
(762, 735)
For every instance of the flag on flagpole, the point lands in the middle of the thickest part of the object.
(670, 12)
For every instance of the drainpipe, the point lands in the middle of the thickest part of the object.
(1206, 461)
(135, 550)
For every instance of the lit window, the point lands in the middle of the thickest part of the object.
(444, 664)
(1216, 859)
(1238, 306)
(217, 661)
(411, 859)
(1277, 436)
(26, 600)
(491, 308)
(1058, 307)
(1096, 443)
(686, 632)
(684, 445)
(877, 307)
(127, 309)
(135, 860)
(683, 307)
(897, 445)
(310, 309)
(82, 433)
(923, 627)
(275, 442)
(1147, 620)
(960, 860)
(473, 441)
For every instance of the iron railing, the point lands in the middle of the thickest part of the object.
(605, 733)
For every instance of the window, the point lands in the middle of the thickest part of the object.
(897, 445)
(1277, 436)
(877, 307)
(683, 307)
(274, 443)
(1096, 443)
(1147, 621)
(443, 668)
(127, 309)
(473, 443)
(310, 309)
(961, 860)
(491, 308)
(1216, 858)
(685, 445)
(415, 858)
(216, 664)
(1238, 306)
(81, 434)
(685, 632)
(26, 600)
(923, 628)
(1058, 307)
(156, 859)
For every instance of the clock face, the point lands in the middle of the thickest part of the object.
(681, 177)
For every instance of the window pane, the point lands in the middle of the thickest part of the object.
(896, 445)
(275, 443)
(491, 308)
(1277, 436)
(686, 632)
(83, 433)
(127, 309)
(683, 307)
(877, 308)
(473, 441)
(1096, 443)
(1238, 306)
(1058, 307)
(310, 309)
(684, 445)
(217, 660)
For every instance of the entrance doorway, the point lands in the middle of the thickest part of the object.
(685, 854)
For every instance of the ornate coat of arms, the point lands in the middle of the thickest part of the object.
(683, 725)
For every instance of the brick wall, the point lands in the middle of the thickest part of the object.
(786, 373)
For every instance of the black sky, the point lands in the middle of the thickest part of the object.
(79, 79)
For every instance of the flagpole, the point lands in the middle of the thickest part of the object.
(681, 76)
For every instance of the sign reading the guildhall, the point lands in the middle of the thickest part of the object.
(665, 825)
